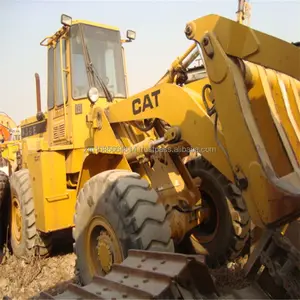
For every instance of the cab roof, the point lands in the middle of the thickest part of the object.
(95, 24)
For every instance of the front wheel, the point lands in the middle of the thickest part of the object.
(223, 237)
(117, 211)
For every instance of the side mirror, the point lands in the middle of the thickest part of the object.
(66, 20)
(131, 35)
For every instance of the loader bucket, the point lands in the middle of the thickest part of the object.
(148, 275)
(275, 105)
(255, 79)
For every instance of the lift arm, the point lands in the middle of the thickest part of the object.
(249, 154)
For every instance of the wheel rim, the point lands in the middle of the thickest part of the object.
(208, 229)
(103, 246)
(16, 220)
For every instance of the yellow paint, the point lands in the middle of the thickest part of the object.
(31, 119)
(84, 139)
(95, 24)
(54, 204)
(7, 120)
(266, 126)
(9, 150)
(74, 160)
(244, 123)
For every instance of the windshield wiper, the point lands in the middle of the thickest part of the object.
(92, 70)
(103, 86)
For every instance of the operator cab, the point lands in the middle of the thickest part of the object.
(96, 59)
(95, 56)
(85, 64)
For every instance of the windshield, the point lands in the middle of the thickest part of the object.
(104, 47)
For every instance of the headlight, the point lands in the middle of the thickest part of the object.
(131, 35)
(93, 94)
(66, 20)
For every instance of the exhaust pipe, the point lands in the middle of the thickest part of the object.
(39, 114)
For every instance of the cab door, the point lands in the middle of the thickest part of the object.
(58, 93)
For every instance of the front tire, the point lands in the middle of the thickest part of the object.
(117, 211)
(225, 235)
(24, 237)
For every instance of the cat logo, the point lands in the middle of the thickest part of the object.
(149, 101)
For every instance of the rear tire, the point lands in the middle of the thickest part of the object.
(4, 189)
(117, 211)
(229, 235)
(4, 199)
(24, 237)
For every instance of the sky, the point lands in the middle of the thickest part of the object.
(160, 37)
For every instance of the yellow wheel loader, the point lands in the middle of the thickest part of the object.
(203, 164)
(9, 134)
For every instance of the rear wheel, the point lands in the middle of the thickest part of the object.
(24, 237)
(225, 233)
(4, 188)
(117, 211)
(4, 197)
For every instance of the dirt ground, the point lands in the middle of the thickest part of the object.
(21, 279)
